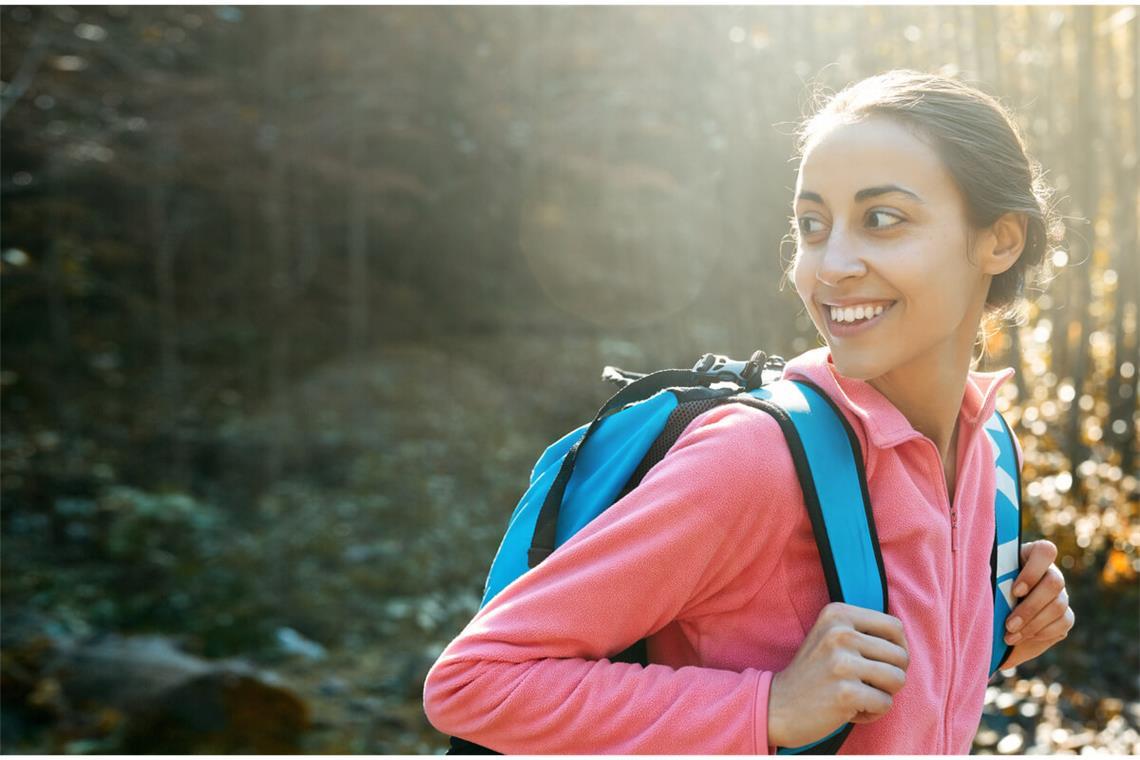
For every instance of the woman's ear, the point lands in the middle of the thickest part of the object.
(1009, 233)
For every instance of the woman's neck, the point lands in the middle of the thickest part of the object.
(929, 392)
(929, 388)
(930, 401)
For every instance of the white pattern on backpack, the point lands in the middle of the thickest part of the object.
(1007, 552)
(1007, 563)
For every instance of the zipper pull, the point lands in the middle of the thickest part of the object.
(953, 529)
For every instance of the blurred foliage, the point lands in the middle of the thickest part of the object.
(293, 297)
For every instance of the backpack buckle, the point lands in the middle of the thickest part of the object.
(774, 364)
(749, 374)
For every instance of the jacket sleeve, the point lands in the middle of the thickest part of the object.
(528, 674)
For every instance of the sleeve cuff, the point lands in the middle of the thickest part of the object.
(763, 688)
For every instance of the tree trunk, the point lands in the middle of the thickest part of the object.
(357, 285)
(989, 62)
(308, 212)
(1086, 191)
(1124, 130)
(164, 234)
(1062, 288)
(276, 199)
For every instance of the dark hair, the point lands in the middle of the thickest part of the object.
(980, 146)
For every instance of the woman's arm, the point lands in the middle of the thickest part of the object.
(527, 675)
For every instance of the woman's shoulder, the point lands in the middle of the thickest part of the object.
(728, 479)
(734, 447)
(734, 425)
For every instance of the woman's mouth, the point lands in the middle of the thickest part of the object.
(853, 320)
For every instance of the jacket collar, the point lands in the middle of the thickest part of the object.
(884, 425)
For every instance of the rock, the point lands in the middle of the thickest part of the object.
(291, 642)
(143, 695)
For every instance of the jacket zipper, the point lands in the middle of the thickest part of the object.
(953, 594)
(953, 529)
(953, 657)
(953, 510)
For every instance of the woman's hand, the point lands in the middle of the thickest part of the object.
(1043, 617)
(849, 666)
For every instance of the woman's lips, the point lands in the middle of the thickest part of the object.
(843, 329)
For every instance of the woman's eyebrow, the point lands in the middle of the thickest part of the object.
(862, 195)
(871, 192)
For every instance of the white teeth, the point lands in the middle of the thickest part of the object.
(852, 314)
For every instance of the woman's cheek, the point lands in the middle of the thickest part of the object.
(801, 279)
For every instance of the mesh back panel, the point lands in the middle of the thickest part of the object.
(685, 413)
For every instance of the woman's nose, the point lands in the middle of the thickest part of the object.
(842, 258)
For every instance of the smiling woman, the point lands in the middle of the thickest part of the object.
(905, 243)
(917, 212)
(940, 219)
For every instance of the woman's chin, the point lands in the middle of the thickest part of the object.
(854, 367)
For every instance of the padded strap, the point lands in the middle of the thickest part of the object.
(838, 502)
(1005, 559)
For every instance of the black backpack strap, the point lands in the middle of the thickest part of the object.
(463, 747)
(545, 529)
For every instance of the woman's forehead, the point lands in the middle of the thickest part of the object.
(877, 151)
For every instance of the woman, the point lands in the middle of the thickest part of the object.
(917, 211)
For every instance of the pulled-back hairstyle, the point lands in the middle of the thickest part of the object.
(981, 147)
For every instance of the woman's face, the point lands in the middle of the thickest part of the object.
(882, 224)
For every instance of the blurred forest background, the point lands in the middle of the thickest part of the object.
(293, 298)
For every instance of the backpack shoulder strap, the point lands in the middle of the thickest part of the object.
(1005, 559)
(821, 441)
(839, 503)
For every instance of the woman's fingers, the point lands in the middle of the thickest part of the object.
(866, 701)
(1058, 629)
(1045, 593)
(1052, 623)
(875, 624)
(1036, 556)
(850, 664)
(883, 651)
(1048, 614)
(884, 677)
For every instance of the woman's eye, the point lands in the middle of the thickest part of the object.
(808, 220)
(884, 215)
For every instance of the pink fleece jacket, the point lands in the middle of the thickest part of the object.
(712, 558)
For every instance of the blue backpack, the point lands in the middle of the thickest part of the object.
(590, 468)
